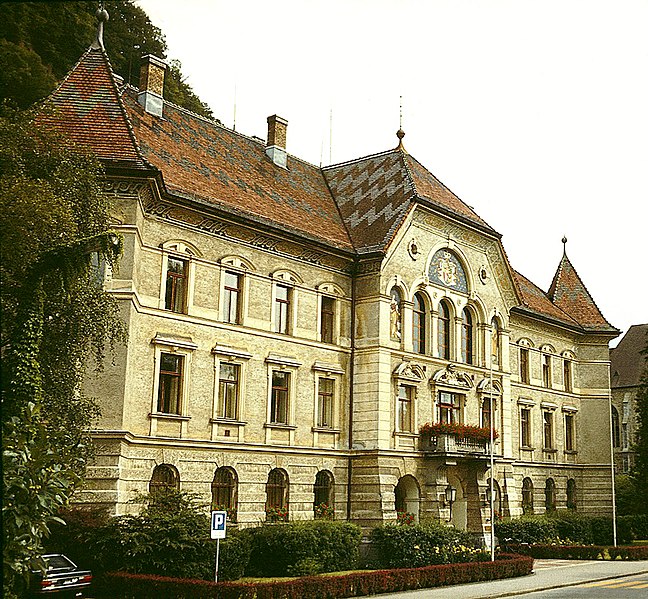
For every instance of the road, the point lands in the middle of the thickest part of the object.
(552, 579)
(627, 587)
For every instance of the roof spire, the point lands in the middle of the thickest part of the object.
(400, 133)
(102, 16)
(564, 242)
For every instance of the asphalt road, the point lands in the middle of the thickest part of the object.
(557, 578)
(627, 587)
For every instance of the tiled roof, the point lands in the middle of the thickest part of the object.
(201, 159)
(88, 111)
(375, 194)
(568, 292)
(538, 302)
(627, 362)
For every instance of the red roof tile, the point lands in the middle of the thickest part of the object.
(537, 301)
(201, 159)
(89, 112)
(568, 292)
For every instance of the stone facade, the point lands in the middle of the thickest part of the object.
(292, 328)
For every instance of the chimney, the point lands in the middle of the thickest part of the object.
(276, 146)
(152, 84)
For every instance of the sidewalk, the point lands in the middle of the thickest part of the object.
(547, 574)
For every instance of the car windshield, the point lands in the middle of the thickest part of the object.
(57, 562)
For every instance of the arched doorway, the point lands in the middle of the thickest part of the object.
(407, 496)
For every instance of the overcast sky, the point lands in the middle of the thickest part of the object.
(534, 112)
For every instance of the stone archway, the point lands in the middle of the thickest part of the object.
(408, 496)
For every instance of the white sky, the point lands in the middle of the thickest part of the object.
(534, 112)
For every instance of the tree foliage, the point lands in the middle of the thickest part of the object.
(40, 42)
(55, 318)
(640, 471)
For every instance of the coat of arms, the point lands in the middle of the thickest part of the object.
(447, 270)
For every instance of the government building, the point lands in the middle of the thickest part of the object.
(330, 341)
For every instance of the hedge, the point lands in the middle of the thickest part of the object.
(303, 548)
(588, 552)
(568, 526)
(121, 585)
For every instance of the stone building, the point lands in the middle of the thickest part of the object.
(627, 367)
(291, 329)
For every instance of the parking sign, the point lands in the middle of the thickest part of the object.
(218, 525)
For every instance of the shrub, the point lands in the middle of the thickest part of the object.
(121, 585)
(307, 546)
(527, 529)
(590, 552)
(637, 524)
(417, 545)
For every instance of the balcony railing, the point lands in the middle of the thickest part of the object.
(450, 443)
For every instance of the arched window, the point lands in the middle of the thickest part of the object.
(277, 496)
(443, 338)
(616, 428)
(496, 342)
(571, 494)
(527, 496)
(164, 478)
(467, 336)
(323, 504)
(419, 331)
(395, 314)
(550, 495)
(224, 491)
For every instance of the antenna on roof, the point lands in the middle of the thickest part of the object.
(234, 127)
(103, 16)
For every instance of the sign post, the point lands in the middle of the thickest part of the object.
(218, 530)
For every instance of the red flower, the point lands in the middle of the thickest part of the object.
(464, 431)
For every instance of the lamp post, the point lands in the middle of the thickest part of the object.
(494, 341)
(450, 497)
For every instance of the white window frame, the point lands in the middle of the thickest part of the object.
(181, 251)
(179, 346)
(289, 365)
(322, 370)
(229, 355)
(289, 280)
(241, 267)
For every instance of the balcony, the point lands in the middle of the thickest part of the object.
(443, 443)
(462, 441)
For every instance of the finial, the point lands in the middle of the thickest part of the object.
(102, 16)
(400, 133)
(564, 242)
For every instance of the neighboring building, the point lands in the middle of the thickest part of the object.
(292, 327)
(626, 369)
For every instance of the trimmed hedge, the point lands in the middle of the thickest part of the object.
(589, 552)
(303, 548)
(564, 525)
(120, 585)
(396, 546)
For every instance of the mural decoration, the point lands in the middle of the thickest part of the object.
(446, 270)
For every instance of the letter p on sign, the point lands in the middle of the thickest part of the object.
(218, 525)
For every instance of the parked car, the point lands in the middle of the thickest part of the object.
(54, 574)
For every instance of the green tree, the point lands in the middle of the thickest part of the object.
(56, 320)
(640, 471)
(44, 41)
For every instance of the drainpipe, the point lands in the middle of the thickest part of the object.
(351, 389)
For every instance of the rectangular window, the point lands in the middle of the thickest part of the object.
(525, 427)
(327, 319)
(279, 397)
(232, 297)
(325, 398)
(524, 366)
(176, 285)
(170, 384)
(228, 390)
(546, 370)
(405, 408)
(448, 408)
(567, 375)
(282, 309)
(547, 420)
(569, 432)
